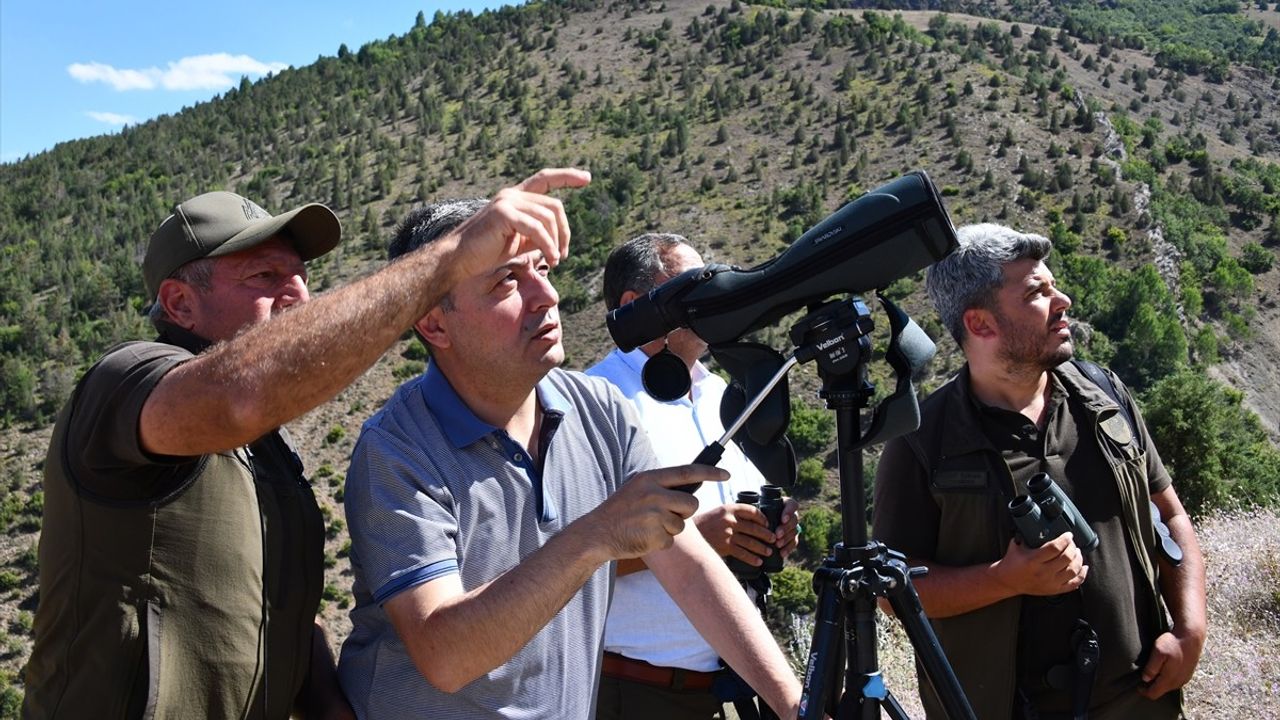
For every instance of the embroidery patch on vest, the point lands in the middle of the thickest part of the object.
(1117, 429)
(960, 480)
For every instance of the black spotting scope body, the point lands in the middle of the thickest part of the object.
(887, 234)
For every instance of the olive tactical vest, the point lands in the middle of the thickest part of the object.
(974, 527)
(197, 604)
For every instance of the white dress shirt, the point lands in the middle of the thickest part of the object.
(644, 623)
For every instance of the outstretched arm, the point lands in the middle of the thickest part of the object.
(273, 372)
(734, 530)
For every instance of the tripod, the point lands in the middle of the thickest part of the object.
(858, 570)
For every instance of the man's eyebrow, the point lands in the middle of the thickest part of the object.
(520, 261)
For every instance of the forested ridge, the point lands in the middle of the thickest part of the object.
(1142, 137)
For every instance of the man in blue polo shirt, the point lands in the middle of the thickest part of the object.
(487, 502)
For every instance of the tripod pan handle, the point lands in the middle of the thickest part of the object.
(710, 455)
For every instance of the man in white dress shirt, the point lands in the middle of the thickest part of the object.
(656, 664)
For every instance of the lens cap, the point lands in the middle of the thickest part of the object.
(666, 377)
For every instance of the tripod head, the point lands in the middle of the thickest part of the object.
(836, 334)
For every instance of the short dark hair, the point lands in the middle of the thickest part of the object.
(636, 264)
(427, 223)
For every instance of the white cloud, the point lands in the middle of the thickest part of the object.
(214, 72)
(111, 118)
(198, 72)
(118, 79)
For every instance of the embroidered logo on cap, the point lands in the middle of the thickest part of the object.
(252, 211)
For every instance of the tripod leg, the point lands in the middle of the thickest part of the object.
(864, 665)
(894, 709)
(907, 607)
(746, 709)
(821, 677)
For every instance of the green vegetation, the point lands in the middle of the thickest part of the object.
(809, 476)
(812, 429)
(335, 435)
(821, 531)
(793, 590)
(1214, 447)
(1197, 37)
(740, 126)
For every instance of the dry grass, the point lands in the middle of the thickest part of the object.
(1239, 673)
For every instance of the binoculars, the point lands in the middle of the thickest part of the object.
(770, 502)
(1046, 512)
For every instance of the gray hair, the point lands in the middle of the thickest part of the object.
(427, 224)
(970, 277)
(636, 264)
(198, 273)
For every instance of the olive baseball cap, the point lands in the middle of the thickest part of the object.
(219, 223)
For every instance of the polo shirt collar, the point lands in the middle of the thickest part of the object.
(550, 398)
(461, 424)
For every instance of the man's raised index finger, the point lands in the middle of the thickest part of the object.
(548, 179)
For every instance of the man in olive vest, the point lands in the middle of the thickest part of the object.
(181, 557)
(1054, 631)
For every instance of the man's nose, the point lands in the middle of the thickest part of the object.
(1062, 301)
(544, 294)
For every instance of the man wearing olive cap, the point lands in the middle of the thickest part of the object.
(181, 554)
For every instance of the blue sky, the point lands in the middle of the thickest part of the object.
(70, 70)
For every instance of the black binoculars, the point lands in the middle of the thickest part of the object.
(770, 502)
(1046, 512)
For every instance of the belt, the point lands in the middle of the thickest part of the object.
(624, 668)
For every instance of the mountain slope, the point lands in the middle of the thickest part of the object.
(738, 126)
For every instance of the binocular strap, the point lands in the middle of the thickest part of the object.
(1079, 674)
(1087, 652)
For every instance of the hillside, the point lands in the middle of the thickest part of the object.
(736, 125)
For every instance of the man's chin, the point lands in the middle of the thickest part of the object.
(554, 357)
(1063, 353)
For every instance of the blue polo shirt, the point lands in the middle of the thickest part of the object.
(433, 490)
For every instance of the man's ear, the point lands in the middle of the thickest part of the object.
(627, 296)
(433, 327)
(177, 298)
(980, 324)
